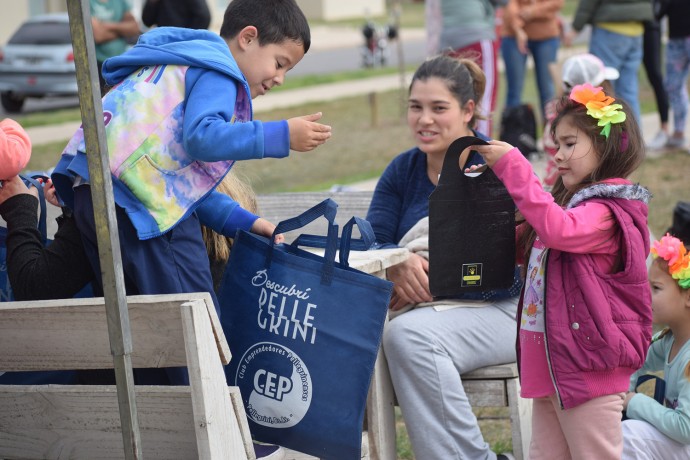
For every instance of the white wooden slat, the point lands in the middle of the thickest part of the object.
(217, 431)
(83, 422)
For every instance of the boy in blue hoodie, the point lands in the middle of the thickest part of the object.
(179, 114)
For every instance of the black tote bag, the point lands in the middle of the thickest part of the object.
(471, 229)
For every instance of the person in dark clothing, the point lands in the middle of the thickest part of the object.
(192, 14)
(651, 58)
(58, 271)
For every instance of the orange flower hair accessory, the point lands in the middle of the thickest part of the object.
(673, 251)
(599, 106)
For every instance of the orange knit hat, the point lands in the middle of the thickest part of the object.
(15, 148)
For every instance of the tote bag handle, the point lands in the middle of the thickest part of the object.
(327, 208)
(364, 243)
(367, 240)
(451, 170)
(42, 227)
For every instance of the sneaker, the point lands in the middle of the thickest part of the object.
(659, 141)
(505, 456)
(268, 452)
(676, 143)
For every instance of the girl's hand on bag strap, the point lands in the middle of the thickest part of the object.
(493, 152)
(265, 228)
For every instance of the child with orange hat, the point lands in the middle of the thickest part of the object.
(15, 149)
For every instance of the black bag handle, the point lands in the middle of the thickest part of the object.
(451, 169)
(327, 208)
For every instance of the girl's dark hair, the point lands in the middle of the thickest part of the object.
(276, 21)
(463, 77)
(619, 155)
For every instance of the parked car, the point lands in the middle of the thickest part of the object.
(37, 61)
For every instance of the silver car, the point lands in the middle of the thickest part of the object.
(37, 61)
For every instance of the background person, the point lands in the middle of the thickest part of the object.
(192, 14)
(113, 23)
(530, 27)
(617, 28)
(467, 28)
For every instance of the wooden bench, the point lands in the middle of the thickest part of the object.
(204, 420)
(493, 386)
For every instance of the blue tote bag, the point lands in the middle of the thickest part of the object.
(304, 332)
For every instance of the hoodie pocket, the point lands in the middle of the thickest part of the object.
(582, 324)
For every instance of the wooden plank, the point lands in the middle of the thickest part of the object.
(486, 393)
(217, 431)
(520, 419)
(241, 415)
(499, 371)
(83, 422)
(380, 419)
(73, 333)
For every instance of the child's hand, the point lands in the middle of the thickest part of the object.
(628, 397)
(265, 228)
(306, 134)
(50, 193)
(492, 152)
(15, 186)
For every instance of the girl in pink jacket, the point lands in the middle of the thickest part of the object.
(589, 324)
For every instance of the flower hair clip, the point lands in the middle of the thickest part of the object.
(599, 106)
(673, 251)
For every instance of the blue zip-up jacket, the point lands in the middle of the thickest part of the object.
(177, 118)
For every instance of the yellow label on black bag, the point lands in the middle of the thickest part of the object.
(471, 275)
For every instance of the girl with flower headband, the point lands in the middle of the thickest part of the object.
(656, 430)
(589, 239)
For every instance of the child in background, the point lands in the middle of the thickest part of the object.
(177, 118)
(654, 430)
(589, 241)
(577, 70)
(15, 149)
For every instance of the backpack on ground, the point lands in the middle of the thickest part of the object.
(519, 128)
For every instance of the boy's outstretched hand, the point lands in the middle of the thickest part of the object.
(306, 134)
(491, 153)
(265, 228)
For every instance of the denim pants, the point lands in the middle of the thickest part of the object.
(677, 67)
(543, 53)
(427, 352)
(624, 53)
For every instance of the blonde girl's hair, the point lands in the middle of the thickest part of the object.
(218, 246)
(463, 76)
(619, 154)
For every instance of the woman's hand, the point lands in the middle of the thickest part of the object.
(492, 152)
(265, 228)
(411, 282)
(15, 186)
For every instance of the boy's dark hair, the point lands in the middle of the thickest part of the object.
(275, 20)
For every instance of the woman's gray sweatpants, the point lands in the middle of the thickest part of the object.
(427, 351)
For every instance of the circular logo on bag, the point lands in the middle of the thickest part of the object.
(278, 384)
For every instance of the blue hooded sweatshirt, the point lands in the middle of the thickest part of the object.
(177, 118)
